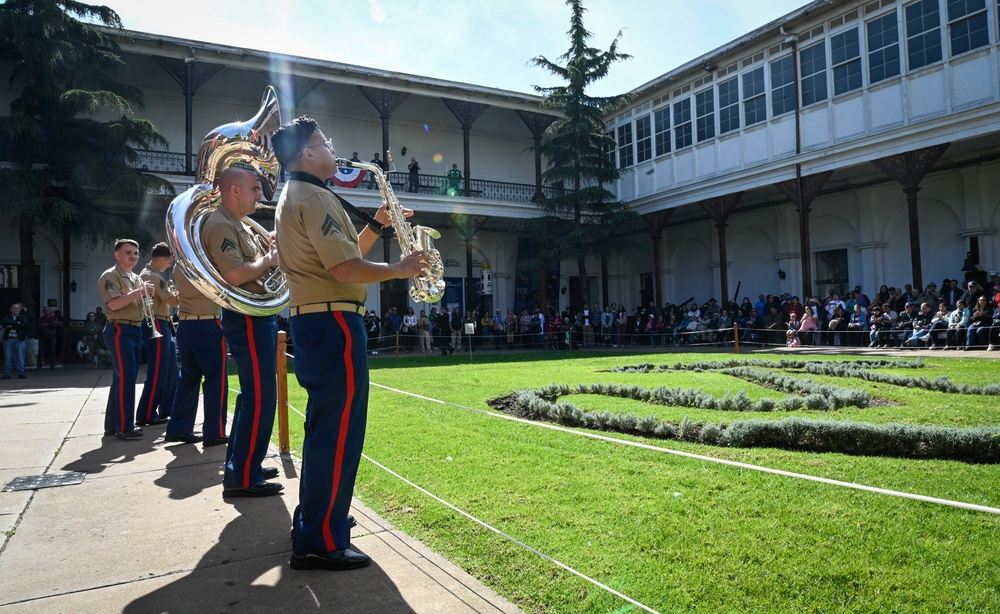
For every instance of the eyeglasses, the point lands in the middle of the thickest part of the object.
(327, 143)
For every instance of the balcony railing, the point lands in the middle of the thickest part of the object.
(171, 163)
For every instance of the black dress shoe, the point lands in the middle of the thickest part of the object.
(109, 433)
(22, 376)
(261, 489)
(337, 560)
(153, 422)
(183, 438)
(269, 472)
(129, 435)
(215, 442)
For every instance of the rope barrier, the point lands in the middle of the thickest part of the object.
(499, 532)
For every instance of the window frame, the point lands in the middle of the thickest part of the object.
(704, 121)
(816, 83)
(751, 95)
(643, 144)
(871, 51)
(729, 114)
(683, 130)
(952, 23)
(788, 94)
(626, 154)
(923, 35)
(850, 66)
(662, 135)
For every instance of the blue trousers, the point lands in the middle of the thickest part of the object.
(203, 355)
(253, 342)
(13, 355)
(331, 364)
(124, 344)
(161, 373)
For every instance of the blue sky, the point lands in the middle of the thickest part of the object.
(483, 42)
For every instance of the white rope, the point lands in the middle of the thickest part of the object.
(872, 489)
(498, 531)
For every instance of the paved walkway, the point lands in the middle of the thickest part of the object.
(148, 531)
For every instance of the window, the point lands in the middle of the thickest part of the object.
(609, 148)
(661, 126)
(729, 105)
(754, 97)
(923, 33)
(967, 25)
(682, 123)
(883, 48)
(845, 57)
(704, 109)
(643, 139)
(625, 156)
(782, 86)
(813, 63)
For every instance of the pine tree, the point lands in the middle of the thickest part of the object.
(587, 220)
(67, 159)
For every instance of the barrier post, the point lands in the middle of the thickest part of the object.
(283, 443)
(736, 337)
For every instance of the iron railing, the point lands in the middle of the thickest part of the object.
(171, 163)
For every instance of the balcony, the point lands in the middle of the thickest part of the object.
(170, 163)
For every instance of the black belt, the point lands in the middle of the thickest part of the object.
(201, 317)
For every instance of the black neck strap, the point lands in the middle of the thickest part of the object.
(316, 181)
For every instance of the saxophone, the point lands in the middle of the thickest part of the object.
(426, 288)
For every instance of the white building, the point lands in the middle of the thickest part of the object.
(839, 101)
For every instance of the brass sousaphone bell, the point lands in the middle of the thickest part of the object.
(247, 143)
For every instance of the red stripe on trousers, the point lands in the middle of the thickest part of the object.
(121, 373)
(345, 419)
(223, 382)
(256, 399)
(156, 372)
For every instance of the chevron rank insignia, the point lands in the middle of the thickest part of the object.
(227, 245)
(108, 285)
(330, 226)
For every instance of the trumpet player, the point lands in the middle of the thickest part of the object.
(252, 340)
(122, 290)
(161, 353)
(323, 261)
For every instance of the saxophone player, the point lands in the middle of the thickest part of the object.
(253, 340)
(161, 369)
(322, 257)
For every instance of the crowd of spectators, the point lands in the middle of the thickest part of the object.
(961, 315)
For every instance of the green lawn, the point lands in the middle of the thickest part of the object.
(675, 533)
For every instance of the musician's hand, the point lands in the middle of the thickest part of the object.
(414, 264)
(150, 288)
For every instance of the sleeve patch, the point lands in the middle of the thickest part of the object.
(227, 245)
(330, 226)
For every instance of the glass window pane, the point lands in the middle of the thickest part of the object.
(643, 139)
(625, 156)
(813, 64)
(883, 48)
(682, 123)
(661, 125)
(782, 86)
(923, 33)
(705, 114)
(754, 98)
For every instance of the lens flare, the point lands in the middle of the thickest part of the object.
(438, 158)
(427, 128)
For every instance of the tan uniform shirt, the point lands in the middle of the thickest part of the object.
(116, 282)
(192, 301)
(315, 235)
(229, 244)
(160, 307)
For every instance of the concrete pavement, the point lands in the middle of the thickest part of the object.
(147, 530)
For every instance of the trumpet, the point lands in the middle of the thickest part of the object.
(147, 309)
